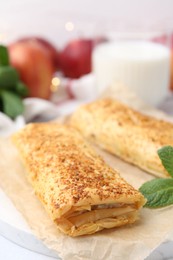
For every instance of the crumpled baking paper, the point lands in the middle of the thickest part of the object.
(131, 242)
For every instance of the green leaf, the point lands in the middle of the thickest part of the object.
(166, 156)
(21, 89)
(12, 104)
(1, 105)
(4, 57)
(8, 77)
(158, 192)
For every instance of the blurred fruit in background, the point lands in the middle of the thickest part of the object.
(171, 80)
(34, 59)
(51, 50)
(167, 40)
(76, 57)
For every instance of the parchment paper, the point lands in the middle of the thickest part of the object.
(132, 242)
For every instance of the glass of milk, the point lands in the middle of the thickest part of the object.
(140, 65)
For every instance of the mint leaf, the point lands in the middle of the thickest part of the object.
(21, 89)
(166, 156)
(158, 192)
(4, 57)
(12, 104)
(9, 77)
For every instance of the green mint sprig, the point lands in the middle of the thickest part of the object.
(11, 88)
(159, 192)
(4, 57)
(166, 157)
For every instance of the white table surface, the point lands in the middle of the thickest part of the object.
(11, 251)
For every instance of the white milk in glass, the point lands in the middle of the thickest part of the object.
(142, 66)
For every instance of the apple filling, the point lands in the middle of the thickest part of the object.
(108, 206)
(99, 212)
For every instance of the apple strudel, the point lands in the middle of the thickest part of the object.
(80, 192)
(125, 132)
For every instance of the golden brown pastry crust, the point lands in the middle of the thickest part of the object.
(125, 132)
(69, 178)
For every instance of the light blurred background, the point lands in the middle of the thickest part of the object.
(60, 21)
(48, 18)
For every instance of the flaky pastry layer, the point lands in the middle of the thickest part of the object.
(125, 132)
(80, 192)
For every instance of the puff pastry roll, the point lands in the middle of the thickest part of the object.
(125, 132)
(80, 192)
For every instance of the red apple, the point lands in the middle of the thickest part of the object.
(49, 47)
(171, 66)
(162, 39)
(171, 63)
(53, 52)
(167, 40)
(34, 66)
(75, 59)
